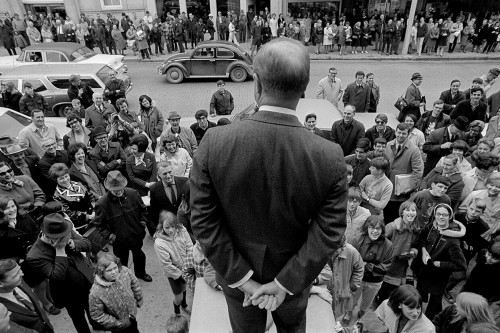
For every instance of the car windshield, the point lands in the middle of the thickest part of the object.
(11, 122)
(82, 54)
(103, 74)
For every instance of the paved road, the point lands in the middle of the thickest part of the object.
(392, 77)
(186, 98)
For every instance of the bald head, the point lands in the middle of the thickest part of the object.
(282, 67)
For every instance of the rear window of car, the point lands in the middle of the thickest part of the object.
(82, 54)
(90, 82)
(60, 83)
(52, 56)
(224, 53)
(38, 85)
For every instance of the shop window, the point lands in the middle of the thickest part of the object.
(321, 8)
(111, 4)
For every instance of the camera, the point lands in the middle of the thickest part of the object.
(115, 117)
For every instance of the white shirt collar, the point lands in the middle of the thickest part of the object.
(277, 109)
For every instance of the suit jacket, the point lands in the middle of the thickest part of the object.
(70, 277)
(358, 97)
(432, 147)
(449, 101)
(179, 32)
(282, 223)
(413, 97)
(140, 174)
(407, 161)
(210, 26)
(160, 200)
(21, 315)
(93, 118)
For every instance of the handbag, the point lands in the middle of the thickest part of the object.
(401, 103)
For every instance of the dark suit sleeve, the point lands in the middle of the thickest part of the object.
(430, 146)
(325, 232)
(346, 96)
(51, 269)
(456, 111)
(367, 106)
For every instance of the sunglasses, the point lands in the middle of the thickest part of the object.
(380, 122)
(3, 173)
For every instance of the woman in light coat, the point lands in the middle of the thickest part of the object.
(115, 296)
(46, 33)
(80, 34)
(33, 34)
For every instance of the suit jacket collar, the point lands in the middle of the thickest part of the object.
(276, 118)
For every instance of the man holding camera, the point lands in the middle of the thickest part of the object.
(80, 91)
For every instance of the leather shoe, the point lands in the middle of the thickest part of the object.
(146, 277)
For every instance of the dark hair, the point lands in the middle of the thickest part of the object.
(485, 160)
(223, 121)
(379, 140)
(494, 250)
(143, 97)
(122, 100)
(407, 295)
(412, 118)
(370, 74)
(453, 158)
(445, 206)
(403, 127)
(359, 73)
(201, 113)
(373, 221)
(460, 144)
(475, 89)
(32, 113)
(311, 115)
(454, 80)
(52, 207)
(72, 115)
(168, 139)
(140, 141)
(74, 148)
(438, 101)
(6, 265)
(440, 179)
(58, 170)
(380, 163)
(4, 201)
(364, 144)
(220, 83)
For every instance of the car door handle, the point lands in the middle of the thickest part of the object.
(212, 60)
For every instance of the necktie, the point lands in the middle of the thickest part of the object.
(23, 301)
(398, 150)
(172, 193)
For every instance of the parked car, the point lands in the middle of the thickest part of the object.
(11, 122)
(210, 59)
(60, 54)
(52, 82)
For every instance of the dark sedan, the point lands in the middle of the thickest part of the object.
(217, 59)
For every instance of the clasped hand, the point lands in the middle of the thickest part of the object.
(268, 296)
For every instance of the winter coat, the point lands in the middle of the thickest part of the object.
(123, 216)
(402, 237)
(15, 242)
(7, 36)
(141, 173)
(345, 273)
(391, 320)
(427, 127)
(172, 251)
(377, 256)
(112, 303)
(372, 134)
(153, 122)
(442, 246)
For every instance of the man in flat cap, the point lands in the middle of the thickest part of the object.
(413, 97)
(32, 100)
(185, 136)
(80, 91)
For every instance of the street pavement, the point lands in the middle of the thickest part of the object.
(392, 74)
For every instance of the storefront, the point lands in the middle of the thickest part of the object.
(299, 8)
(45, 7)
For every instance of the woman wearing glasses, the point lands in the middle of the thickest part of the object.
(437, 255)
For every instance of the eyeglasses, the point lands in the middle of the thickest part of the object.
(442, 215)
(380, 122)
(3, 173)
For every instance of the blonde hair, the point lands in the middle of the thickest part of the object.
(475, 307)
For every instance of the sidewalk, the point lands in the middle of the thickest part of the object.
(371, 55)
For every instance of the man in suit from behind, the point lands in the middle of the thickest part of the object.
(166, 194)
(18, 298)
(268, 230)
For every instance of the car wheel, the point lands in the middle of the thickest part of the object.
(60, 111)
(174, 75)
(238, 74)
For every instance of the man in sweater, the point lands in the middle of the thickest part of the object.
(452, 96)
(473, 109)
(427, 199)
(347, 131)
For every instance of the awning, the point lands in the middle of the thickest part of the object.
(43, 2)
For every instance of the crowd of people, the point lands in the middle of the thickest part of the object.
(417, 203)
(331, 32)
